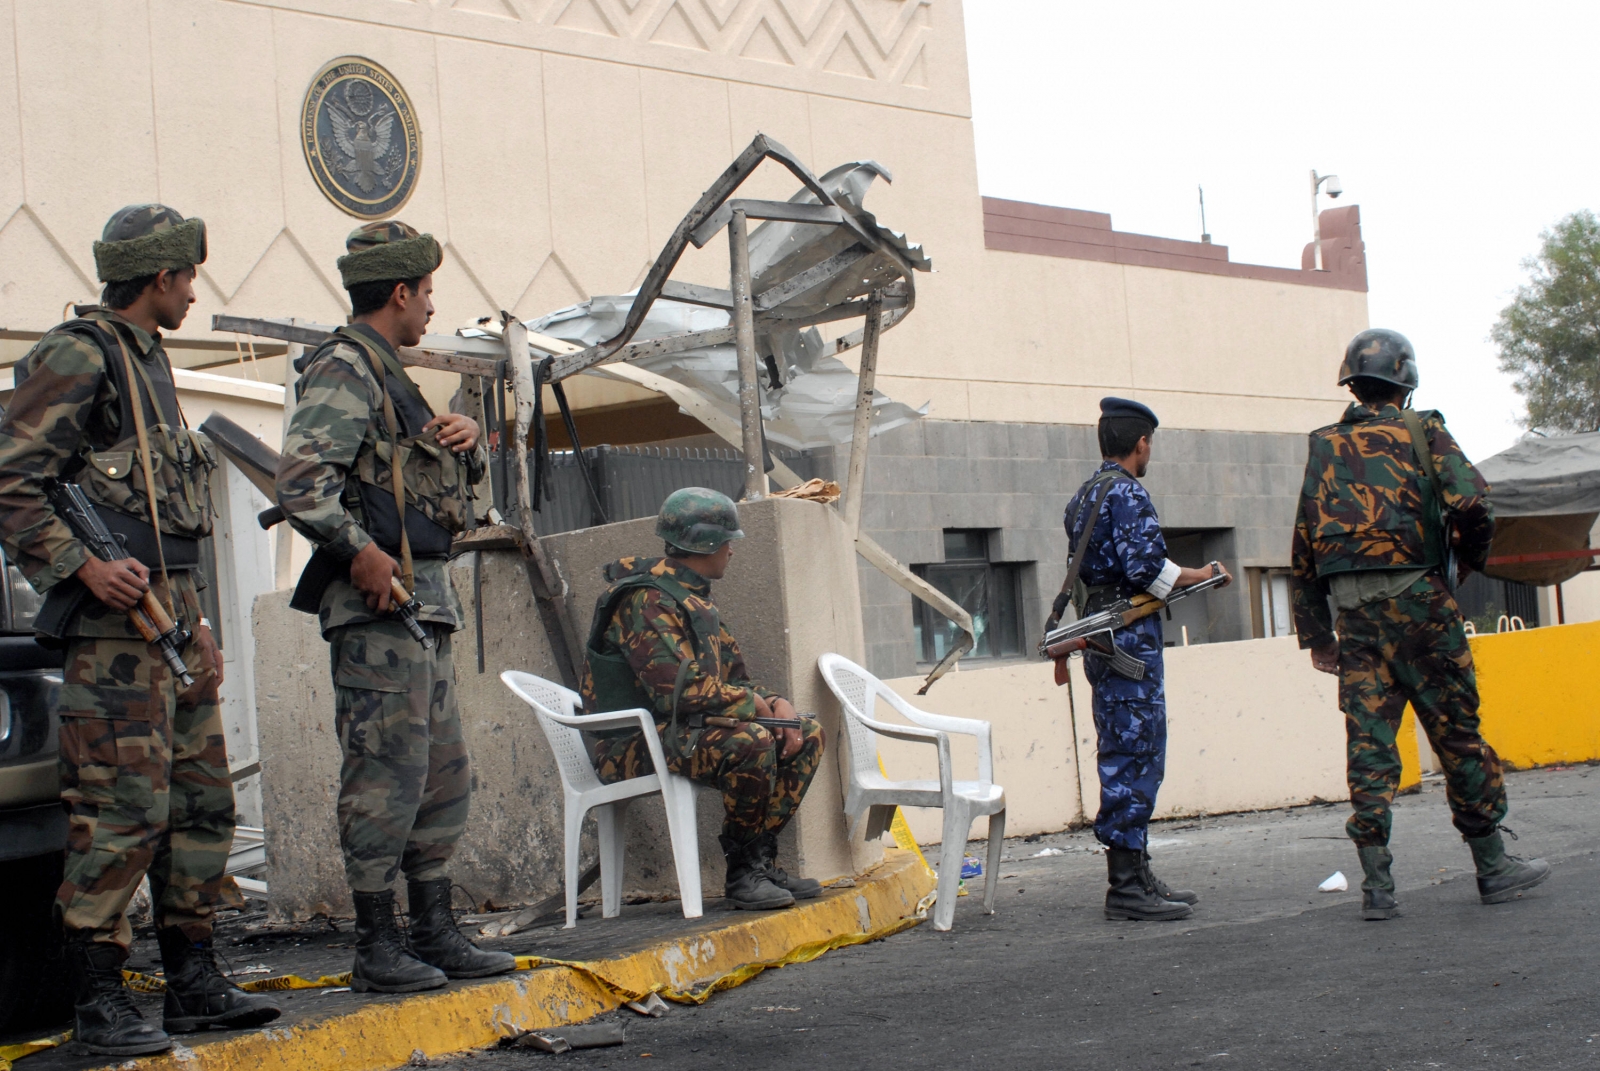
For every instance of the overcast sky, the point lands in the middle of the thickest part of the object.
(1462, 131)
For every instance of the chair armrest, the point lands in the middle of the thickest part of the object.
(612, 719)
(973, 727)
(916, 735)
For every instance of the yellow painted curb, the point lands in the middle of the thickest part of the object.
(385, 1034)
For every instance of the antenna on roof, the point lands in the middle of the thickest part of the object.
(1205, 236)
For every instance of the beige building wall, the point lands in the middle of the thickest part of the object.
(562, 140)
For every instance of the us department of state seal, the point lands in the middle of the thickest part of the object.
(360, 136)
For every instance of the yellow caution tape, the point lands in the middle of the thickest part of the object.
(28, 1048)
(148, 983)
(900, 829)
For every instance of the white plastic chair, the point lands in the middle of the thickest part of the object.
(859, 692)
(582, 791)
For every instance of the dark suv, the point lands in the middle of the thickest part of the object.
(33, 827)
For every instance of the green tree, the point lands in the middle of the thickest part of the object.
(1549, 337)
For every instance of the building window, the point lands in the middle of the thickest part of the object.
(1271, 613)
(986, 590)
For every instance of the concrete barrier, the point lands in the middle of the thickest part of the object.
(1250, 725)
(1540, 693)
(790, 595)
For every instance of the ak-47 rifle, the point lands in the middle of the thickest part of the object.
(167, 636)
(1096, 633)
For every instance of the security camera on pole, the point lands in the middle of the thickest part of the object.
(1334, 189)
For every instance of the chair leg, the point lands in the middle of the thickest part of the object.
(609, 827)
(957, 820)
(574, 828)
(991, 874)
(678, 795)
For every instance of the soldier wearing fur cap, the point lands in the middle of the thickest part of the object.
(404, 784)
(144, 774)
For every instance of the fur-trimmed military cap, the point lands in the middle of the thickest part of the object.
(1125, 407)
(141, 240)
(385, 250)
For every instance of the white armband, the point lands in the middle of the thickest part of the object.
(1161, 587)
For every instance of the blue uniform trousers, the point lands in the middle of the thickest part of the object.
(1130, 722)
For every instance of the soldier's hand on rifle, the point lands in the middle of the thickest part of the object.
(119, 584)
(1326, 657)
(789, 740)
(371, 572)
(458, 432)
(1187, 577)
(210, 653)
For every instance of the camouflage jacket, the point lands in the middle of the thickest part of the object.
(66, 421)
(1127, 548)
(1363, 504)
(652, 632)
(337, 441)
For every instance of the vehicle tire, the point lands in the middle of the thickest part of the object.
(35, 994)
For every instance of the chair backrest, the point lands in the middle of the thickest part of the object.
(547, 700)
(858, 692)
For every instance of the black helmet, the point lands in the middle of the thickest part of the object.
(1379, 353)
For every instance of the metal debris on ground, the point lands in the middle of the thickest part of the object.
(652, 1006)
(561, 1039)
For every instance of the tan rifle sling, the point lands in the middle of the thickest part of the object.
(135, 378)
(396, 477)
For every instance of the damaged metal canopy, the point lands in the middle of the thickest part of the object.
(804, 272)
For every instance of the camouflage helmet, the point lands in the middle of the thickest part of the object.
(698, 520)
(142, 240)
(1380, 354)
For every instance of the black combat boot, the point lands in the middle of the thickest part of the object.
(1503, 877)
(107, 1023)
(1177, 896)
(436, 941)
(199, 995)
(384, 962)
(766, 847)
(1133, 897)
(748, 885)
(1377, 888)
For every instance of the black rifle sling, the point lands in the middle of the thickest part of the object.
(1098, 487)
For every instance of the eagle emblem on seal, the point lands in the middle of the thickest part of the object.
(360, 137)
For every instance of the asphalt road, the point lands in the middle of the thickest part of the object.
(1268, 973)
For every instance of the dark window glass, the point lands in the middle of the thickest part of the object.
(989, 592)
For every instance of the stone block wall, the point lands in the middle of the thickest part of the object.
(1223, 494)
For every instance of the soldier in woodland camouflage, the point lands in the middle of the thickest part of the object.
(1126, 554)
(1370, 536)
(658, 642)
(144, 773)
(404, 784)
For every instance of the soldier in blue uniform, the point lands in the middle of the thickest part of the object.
(1125, 555)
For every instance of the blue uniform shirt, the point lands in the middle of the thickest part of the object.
(1130, 717)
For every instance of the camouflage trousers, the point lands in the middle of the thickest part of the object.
(404, 784)
(144, 779)
(1413, 649)
(760, 790)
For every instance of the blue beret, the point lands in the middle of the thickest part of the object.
(1124, 407)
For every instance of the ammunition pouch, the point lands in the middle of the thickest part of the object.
(429, 539)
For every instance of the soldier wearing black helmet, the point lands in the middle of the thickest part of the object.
(1388, 505)
(658, 642)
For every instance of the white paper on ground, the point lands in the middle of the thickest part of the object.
(1335, 883)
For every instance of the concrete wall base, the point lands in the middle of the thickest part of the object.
(791, 595)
